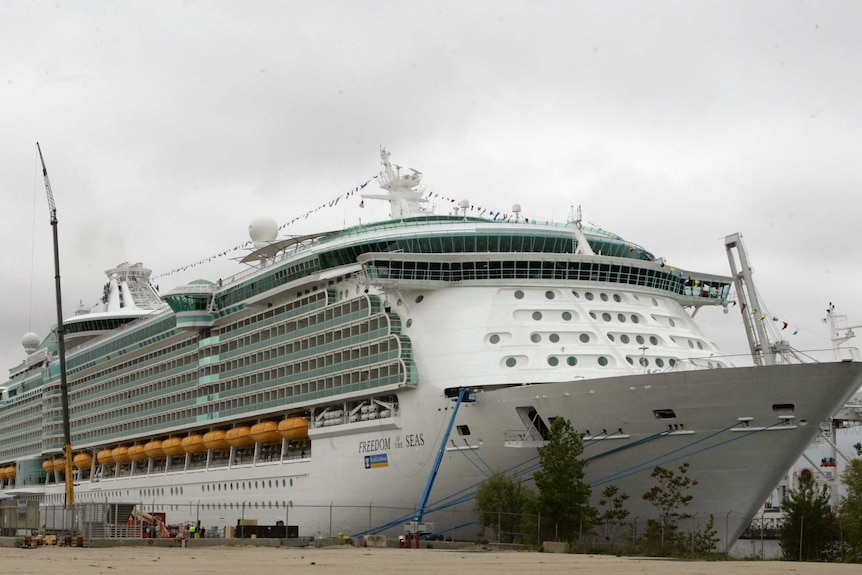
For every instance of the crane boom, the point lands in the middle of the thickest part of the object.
(64, 387)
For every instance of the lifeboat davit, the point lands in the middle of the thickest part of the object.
(239, 436)
(265, 432)
(106, 457)
(194, 444)
(293, 428)
(121, 454)
(154, 449)
(215, 439)
(137, 453)
(83, 461)
(173, 446)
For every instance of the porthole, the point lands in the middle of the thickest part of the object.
(554, 338)
(409, 322)
(537, 315)
(567, 316)
(630, 360)
(643, 361)
(635, 319)
(593, 315)
(576, 294)
(553, 361)
(291, 481)
(550, 295)
(399, 302)
(511, 362)
(585, 338)
(603, 296)
(640, 339)
(589, 296)
(611, 337)
(535, 338)
(655, 302)
(653, 340)
(624, 338)
(621, 318)
(572, 360)
(419, 298)
(494, 339)
(690, 344)
(659, 362)
(606, 316)
(519, 294)
(671, 322)
(603, 361)
(617, 298)
(699, 345)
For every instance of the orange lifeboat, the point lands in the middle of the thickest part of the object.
(121, 454)
(293, 428)
(60, 464)
(173, 446)
(83, 461)
(194, 444)
(265, 432)
(3, 473)
(239, 436)
(10, 472)
(215, 439)
(136, 453)
(48, 466)
(105, 457)
(154, 449)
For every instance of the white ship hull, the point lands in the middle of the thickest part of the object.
(726, 427)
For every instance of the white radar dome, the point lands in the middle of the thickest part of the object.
(263, 231)
(30, 341)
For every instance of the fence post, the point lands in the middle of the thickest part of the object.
(539, 531)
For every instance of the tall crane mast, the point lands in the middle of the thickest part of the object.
(64, 387)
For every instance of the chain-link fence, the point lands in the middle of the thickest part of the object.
(292, 519)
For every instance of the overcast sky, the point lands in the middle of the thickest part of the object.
(168, 126)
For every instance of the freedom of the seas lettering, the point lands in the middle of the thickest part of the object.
(388, 443)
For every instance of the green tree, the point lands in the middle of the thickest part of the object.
(502, 502)
(851, 507)
(669, 496)
(611, 513)
(563, 495)
(810, 529)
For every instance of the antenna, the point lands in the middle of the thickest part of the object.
(64, 387)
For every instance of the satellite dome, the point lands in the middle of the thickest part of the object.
(30, 341)
(263, 231)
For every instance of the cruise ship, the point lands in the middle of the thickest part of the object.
(358, 380)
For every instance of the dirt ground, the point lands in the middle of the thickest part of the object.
(369, 561)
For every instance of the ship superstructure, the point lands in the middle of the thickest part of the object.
(318, 382)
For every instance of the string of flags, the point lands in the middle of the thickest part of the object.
(761, 316)
(478, 210)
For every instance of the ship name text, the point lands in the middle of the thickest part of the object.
(387, 443)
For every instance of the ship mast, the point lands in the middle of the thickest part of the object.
(64, 388)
